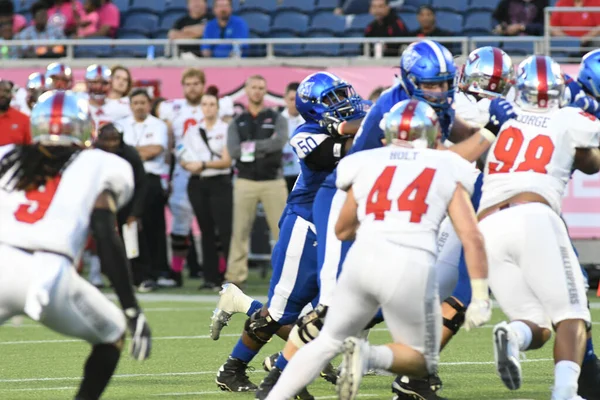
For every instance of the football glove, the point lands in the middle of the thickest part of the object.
(141, 336)
(331, 124)
(500, 112)
(478, 313)
(587, 104)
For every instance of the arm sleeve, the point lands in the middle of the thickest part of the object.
(275, 143)
(583, 128)
(326, 156)
(369, 134)
(464, 172)
(233, 141)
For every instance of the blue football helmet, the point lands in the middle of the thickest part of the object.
(589, 73)
(323, 93)
(411, 121)
(540, 84)
(428, 62)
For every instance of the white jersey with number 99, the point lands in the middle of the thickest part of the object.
(535, 153)
(403, 193)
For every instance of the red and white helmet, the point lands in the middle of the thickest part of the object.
(97, 79)
(58, 77)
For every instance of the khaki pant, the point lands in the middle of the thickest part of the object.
(246, 195)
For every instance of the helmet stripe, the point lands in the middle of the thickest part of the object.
(407, 116)
(497, 72)
(56, 113)
(438, 54)
(542, 76)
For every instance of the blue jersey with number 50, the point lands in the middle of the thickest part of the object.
(304, 140)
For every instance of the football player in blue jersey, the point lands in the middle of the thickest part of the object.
(584, 91)
(319, 147)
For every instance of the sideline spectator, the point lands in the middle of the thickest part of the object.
(40, 30)
(8, 16)
(582, 24)
(120, 83)
(291, 165)
(64, 13)
(191, 26)
(14, 125)
(87, 24)
(148, 135)
(520, 17)
(428, 24)
(209, 189)
(224, 26)
(255, 139)
(386, 24)
(109, 19)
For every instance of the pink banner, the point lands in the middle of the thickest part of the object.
(582, 201)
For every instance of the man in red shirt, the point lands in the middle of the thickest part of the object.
(583, 24)
(14, 125)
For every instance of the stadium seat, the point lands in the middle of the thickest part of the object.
(356, 7)
(562, 46)
(478, 22)
(136, 51)
(90, 50)
(287, 50)
(359, 22)
(168, 20)
(161, 34)
(353, 49)
(518, 48)
(450, 21)
(144, 23)
(322, 49)
(258, 22)
(410, 21)
(265, 6)
(256, 50)
(176, 5)
(305, 6)
(153, 6)
(326, 5)
(122, 5)
(23, 6)
(483, 5)
(412, 5)
(457, 6)
(327, 22)
(290, 21)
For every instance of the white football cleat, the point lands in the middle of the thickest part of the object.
(506, 354)
(355, 365)
(232, 301)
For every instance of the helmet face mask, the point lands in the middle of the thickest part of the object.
(58, 77)
(97, 79)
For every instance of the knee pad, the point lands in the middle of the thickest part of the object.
(261, 328)
(458, 320)
(308, 327)
(180, 243)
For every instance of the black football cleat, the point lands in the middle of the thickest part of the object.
(232, 377)
(270, 381)
(589, 380)
(413, 389)
(330, 374)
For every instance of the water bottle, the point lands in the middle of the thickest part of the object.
(237, 50)
(150, 53)
(5, 52)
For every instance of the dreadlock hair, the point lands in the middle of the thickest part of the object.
(32, 165)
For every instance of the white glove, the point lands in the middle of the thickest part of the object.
(480, 309)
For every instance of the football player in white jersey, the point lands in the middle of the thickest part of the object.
(534, 273)
(98, 81)
(395, 216)
(26, 97)
(182, 114)
(52, 193)
(58, 76)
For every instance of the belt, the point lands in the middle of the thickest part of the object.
(205, 178)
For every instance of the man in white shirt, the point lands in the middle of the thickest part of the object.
(148, 135)
(291, 166)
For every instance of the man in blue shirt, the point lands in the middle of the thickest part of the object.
(224, 26)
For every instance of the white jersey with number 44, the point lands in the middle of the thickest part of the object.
(535, 153)
(55, 217)
(403, 193)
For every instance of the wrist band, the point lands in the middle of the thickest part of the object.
(486, 133)
(480, 289)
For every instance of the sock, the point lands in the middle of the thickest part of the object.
(380, 357)
(281, 362)
(566, 374)
(254, 307)
(589, 355)
(222, 264)
(243, 352)
(98, 370)
(177, 263)
(523, 332)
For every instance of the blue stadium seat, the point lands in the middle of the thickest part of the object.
(479, 44)
(144, 23)
(23, 6)
(266, 6)
(518, 48)
(287, 50)
(168, 20)
(356, 7)
(258, 22)
(290, 21)
(154, 6)
(483, 5)
(450, 21)
(137, 51)
(478, 23)
(122, 5)
(161, 34)
(353, 49)
(176, 5)
(565, 47)
(304, 6)
(410, 20)
(360, 22)
(457, 6)
(90, 50)
(322, 49)
(326, 5)
(327, 22)
(412, 5)
(256, 50)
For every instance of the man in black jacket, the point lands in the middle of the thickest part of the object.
(110, 139)
(386, 24)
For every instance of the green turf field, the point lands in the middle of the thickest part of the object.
(38, 364)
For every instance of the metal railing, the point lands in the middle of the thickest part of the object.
(569, 48)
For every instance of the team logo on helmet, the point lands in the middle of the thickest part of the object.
(410, 58)
(304, 90)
